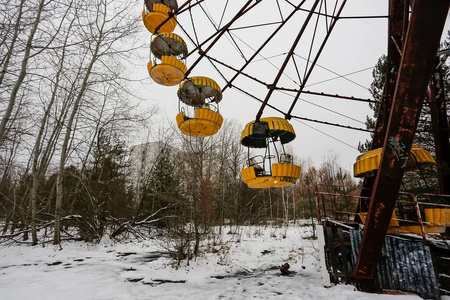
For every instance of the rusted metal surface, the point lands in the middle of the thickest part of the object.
(404, 266)
(398, 21)
(396, 30)
(420, 46)
(419, 217)
(395, 269)
(339, 207)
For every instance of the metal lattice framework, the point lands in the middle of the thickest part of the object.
(319, 18)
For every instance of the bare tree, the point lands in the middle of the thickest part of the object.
(104, 27)
(229, 160)
(37, 172)
(13, 31)
(23, 70)
(68, 96)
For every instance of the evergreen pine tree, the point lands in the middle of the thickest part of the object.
(162, 190)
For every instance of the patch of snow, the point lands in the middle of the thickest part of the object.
(243, 265)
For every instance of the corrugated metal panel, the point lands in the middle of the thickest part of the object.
(404, 266)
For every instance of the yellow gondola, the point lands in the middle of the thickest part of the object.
(170, 72)
(203, 94)
(366, 164)
(199, 90)
(168, 50)
(264, 134)
(432, 225)
(282, 175)
(205, 123)
(256, 134)
(158, 14)
(170, 44)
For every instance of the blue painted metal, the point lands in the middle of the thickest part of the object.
(404, 265)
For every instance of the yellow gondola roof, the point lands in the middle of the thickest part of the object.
(172, 4)
(168, 43)
(157, 17)
(193, 91)
(255, 133)
(367, 163)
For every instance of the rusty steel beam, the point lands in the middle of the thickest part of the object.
(241, 72)
(420, 46)
(398, 21)
(398, 16)
(243, 91)
(327, 95)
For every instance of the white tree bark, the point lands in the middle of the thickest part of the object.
(22, 74)
(67, 136)
(36, 172)
(102, 26)
(12, 44)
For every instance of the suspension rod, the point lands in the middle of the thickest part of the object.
(288, 57)
(316, 58)
(220, 33)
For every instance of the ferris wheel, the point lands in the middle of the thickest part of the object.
(272, 52)
(269, 52)
(266, 52)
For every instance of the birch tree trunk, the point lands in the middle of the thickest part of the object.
(102, 25)
(65, 148)
(11, 47)
(22, 74)
(36, 170)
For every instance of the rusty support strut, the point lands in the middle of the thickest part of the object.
(398, 22)
(422, 40)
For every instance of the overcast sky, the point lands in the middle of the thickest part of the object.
(344, 67)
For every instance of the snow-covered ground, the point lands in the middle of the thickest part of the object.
(241, 264)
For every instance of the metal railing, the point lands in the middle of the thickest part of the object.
(412, 213)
